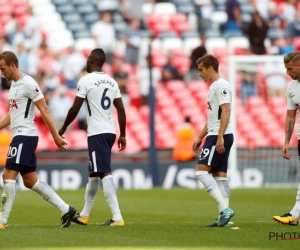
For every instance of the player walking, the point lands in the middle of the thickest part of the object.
(24, 95)
(213, 157)
(99, 92)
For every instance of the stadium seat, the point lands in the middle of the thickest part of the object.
(218, 18)
(81, 2)
(85, 9)
(215, 42)
(296, 43)
(71, 17)
(77, 139)
(84, 43)
(147, 8)
(175, 86)
(164, 9)
(167, 34)
(237, 42)
(187, 8)
(59, 2)
(191, 43)
(189, 34)
(182, 27)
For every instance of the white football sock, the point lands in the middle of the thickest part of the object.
(212, 188)
(109, 190)
(90, 194)
(49, 195)
(296, 209)
(7, 199)
(224, 188)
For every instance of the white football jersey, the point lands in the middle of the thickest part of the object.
(22, 95)
(293, 99)
(99, 91)
(219, 93)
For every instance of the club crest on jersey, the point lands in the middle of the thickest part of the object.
(36, 90)
(224, 92)
(16, 93)
(78, 88)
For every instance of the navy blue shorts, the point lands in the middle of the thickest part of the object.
(21, 154)
(209, 156)
(100, 152)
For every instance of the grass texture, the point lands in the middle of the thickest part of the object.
(155, 219)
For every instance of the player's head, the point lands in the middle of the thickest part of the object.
(95, 60)
(208, 66)
(8, 64)
(292, 64)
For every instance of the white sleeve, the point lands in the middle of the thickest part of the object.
(289, 104)
(33, 90)
(81, 89)
(223, 94)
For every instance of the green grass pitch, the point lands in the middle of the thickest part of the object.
(155, 219)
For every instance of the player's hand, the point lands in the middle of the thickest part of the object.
(196, 145)
(220, 145)
(60, 143)
(122, 143)
(285, 152)
(62, 131)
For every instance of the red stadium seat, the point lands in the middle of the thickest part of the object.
(177, 18)
(77, 139)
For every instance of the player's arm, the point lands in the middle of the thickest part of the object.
(118, 103)
(197, 143)
(47, 117)
(5, 122)
(224, 121)
(72, 113)
(290, 119)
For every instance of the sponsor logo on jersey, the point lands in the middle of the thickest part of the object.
(13, 104)
(209, 106)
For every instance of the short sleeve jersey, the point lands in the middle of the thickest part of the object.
(219, 93)
(293, 99)
(22, 95)
(99, 91)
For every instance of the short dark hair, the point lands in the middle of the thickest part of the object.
(292, 56)
(98, 55)
(209, 60)
(9, 57)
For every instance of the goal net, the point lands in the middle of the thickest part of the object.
(259, 109)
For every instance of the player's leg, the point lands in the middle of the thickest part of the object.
(110, 194)
(204, 167)
(223, 187)
(91, 190)
(291, 218)
(8, 196)
(31, 181)
(220, 175)
(100, 159)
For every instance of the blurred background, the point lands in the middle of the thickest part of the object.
(52, 39)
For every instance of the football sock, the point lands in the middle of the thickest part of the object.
(90, 193)
(296, 209)
(49, 195)
(109, 190)
(224, 188)
(212, 188)
(7, 199)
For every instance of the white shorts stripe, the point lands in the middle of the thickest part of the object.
(212, 151)
(19, 153)
(94, 161)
